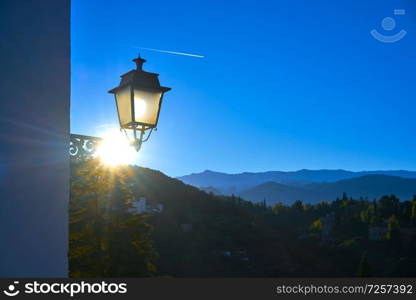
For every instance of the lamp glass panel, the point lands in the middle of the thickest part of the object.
(123, 98)
(146, 106)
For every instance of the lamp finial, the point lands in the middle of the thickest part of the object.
(139, 62)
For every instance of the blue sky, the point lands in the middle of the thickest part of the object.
(284, 85)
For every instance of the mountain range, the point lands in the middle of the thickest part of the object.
(307, 185)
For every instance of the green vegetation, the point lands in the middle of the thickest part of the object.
(364, 269)
(202, 235)
(106, 238)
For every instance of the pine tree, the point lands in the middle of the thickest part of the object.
(365, 215)
(279, 207)
(107, 238)
(297, 206)
(364, 269)
(413, 212)
(393, 229)
(317, 225)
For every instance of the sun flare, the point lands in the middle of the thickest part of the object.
(115, 150)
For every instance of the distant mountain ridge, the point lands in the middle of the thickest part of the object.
(306, 185)
(245, 180)
(368, 186)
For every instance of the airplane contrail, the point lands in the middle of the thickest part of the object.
(171, 52)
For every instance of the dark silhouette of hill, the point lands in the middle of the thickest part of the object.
(198, 234)
(210, 189)
(274, 192)
(195, 228)
(370, 186)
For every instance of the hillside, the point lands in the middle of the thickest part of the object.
(274, 192)
(197, 234)
(189, 236)
(370, 186)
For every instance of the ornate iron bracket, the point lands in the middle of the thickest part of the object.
(83, 147)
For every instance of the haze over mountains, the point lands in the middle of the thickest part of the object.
(307, 185)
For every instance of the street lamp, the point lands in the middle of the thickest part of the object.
(138, 99)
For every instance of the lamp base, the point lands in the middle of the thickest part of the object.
(137, 144)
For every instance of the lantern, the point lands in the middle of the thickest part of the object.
(139, 98)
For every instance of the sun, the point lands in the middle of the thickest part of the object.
(114, 150)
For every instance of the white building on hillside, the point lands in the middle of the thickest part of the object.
(141, 206)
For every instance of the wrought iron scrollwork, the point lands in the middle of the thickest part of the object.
(83, 146)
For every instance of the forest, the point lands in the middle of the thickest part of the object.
(193, 233)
